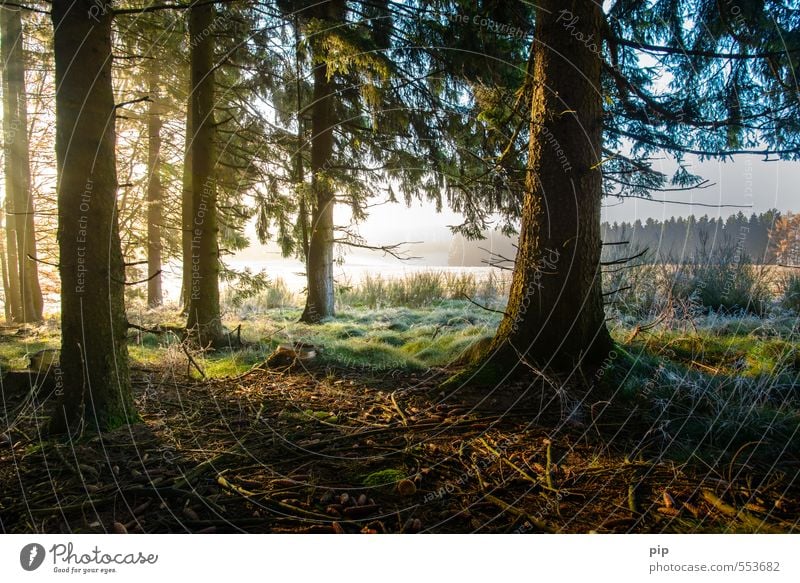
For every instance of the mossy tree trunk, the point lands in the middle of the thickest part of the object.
(204, 310)
(320, 300)
(555, 316)
(94, 355)
(26, 294)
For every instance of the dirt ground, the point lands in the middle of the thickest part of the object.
(326, 451)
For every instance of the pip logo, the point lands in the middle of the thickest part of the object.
(31, 556)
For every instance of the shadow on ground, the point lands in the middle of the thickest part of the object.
(345, 452)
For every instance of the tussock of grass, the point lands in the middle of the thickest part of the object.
(423, 289)
(712, 392)
(789, 286)
(388, 339)
(274, 294)
(392, 338)
(371, 355)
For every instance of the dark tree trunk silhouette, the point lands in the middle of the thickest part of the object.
(24, 273)
(555, 315)
(319, 264)
(154, 195)
(300, 178)
(94, 355)
(186, 209)
(4, 273)
(204, 312)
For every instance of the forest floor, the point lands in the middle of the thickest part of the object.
(698, 433)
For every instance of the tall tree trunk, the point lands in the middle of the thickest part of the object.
(94, 355)
(154, 194)
(4, 270)
(17, 167)
(187, 209)
(319, 264)
(555, 315)
(13, 298)
(204, 312)
(298, 161)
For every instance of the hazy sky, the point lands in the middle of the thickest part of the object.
(748, 181)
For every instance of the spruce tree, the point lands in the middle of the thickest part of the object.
(94, 355)
(23, 274)
(598, 117)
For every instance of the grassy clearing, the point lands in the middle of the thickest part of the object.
(376, 340)
(706, 384)
(702, 378)
(715, 388)
(719, 370)
(17, 343)
(702, 398)
(386, 339)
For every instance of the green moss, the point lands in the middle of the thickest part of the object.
(293, 416)
(13, 351)
(145, 355)
(474, 350)
(232, 363)
(118, 419)
(325, 416)
(483, 375)
(387, 477)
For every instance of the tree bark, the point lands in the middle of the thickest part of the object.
(187, 209)
(300, 178)
(13, 297)
(4, 273)
(19, 202)
(154, 195)
(320, 299)
(204, 311)
(555, 314)
(94, 355)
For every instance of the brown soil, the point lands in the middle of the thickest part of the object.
(342, 452)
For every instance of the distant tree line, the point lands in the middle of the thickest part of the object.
(756, 237)
(692, 238)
